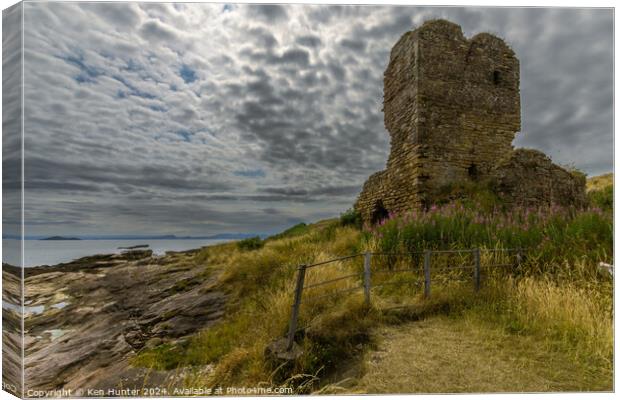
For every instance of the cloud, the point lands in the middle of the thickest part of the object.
(299, 57)
(353, 44)
(267, 13)
(142, 118)
(154, 30)
(11, 122)
(120, 16)
(309, 41)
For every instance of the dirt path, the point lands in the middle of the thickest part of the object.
(449, 355)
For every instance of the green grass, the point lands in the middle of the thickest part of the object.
(165, 356)
(293, 231)
(603, 198)
(600, 191)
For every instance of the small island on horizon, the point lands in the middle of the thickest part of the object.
(227, 236)
(60, 238)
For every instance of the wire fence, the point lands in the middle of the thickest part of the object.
(455, 265)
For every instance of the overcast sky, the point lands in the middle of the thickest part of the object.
(202, 118)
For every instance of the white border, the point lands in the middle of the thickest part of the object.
(476, 3)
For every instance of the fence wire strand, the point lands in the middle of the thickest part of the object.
(330, 281)
(416, 282)
(332, 261)
(388, 271)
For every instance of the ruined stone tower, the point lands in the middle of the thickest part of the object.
(452, 108)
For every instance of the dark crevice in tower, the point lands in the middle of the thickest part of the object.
(379, 213)
(497, 77)
(472, 172)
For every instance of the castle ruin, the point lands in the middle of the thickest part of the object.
(452, 108)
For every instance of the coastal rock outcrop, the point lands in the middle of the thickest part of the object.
(84, 320)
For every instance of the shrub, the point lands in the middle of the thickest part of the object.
(351, 218)
(253, 243)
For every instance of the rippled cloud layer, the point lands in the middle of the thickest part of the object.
(206, 118)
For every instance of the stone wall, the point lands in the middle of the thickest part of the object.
(528, 178)
(469, 106)
(452, 109)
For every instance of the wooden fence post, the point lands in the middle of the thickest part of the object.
(427, 273)
(367, 278)
(476, 253)
(292, 327)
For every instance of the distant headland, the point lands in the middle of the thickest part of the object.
(60, 238)
(219, 236)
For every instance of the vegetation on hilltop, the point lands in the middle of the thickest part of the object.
(294, 230)
(252, 243)
(600, 182)
(601, 191)
(557, 298)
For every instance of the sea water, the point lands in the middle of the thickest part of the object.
(50, 252)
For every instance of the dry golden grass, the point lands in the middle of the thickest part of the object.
(564, 313)
(525, 335)
(458, 355)
(599, 182)
(264, 281)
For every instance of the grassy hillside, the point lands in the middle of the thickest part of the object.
(600, 182)
(601, 191)
(557, 299)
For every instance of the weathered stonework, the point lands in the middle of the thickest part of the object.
(452, 108)
(528, 177)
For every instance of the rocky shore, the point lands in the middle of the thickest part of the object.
(84, 320)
